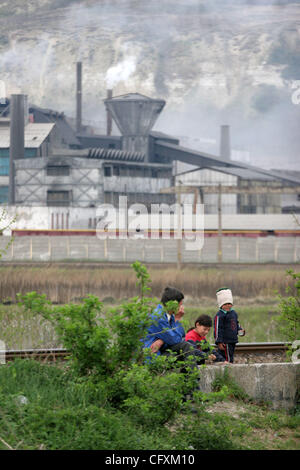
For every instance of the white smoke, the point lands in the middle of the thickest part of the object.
(214, 63)
(120, 72)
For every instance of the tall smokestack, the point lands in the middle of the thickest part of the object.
(18, 106)
(225, 151)
(108, 115)
(78, 97)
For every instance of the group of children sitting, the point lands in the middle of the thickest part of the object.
(166, 333)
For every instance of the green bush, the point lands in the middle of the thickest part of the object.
(111, 394)
(44, 406)
(152, 400)
(211, 432)
(289, 319)
(98, 344)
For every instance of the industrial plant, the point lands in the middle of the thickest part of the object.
(54, 173)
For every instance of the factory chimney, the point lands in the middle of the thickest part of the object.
(18, 113)
(108, 115)
(225, 150)
(78, 97)
(135, 115)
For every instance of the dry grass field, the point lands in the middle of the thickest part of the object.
(254, 289)
(66, 283)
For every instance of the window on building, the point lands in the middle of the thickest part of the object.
(116, 170)
(30, 152)
(111, 146)
(136, 171)
(248, 209)
(58, 170)
(59, 198)
(4, 166)
(164, 174)
(3, 194)
(107, 171)
(123, 171)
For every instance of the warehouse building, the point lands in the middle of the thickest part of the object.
(63, 168)
(85, 181)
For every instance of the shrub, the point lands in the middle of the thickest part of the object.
(114, 395)
(98, 344)
(232, 388)
(63, 411)
(289, 307)
(289, 319)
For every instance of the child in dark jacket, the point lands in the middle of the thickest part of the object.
(226, 325)
(197, 337)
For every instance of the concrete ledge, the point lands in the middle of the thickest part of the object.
(278, 383)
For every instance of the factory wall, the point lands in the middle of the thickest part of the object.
(211, 178)
(49, 218)
(86, 182)
(38, 184)
(231, 203)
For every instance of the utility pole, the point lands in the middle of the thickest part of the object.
(78, 97)
(17, 139)
(108, 115)
(178, 190)
(220, 254)
(179, 229)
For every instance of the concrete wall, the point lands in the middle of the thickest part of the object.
(40, 217)
(276, 383)
(235, 250)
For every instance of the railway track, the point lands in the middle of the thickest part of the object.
(53, 354)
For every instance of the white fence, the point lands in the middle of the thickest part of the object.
(268, 249)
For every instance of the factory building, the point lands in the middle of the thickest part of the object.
(39, 139)
(239, 203)
(61, 167)
(85, 181)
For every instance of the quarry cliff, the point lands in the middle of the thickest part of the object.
(234, 62)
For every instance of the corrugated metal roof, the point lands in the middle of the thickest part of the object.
(35, 134)
(202, 159)
(113, 154)
(244, 173)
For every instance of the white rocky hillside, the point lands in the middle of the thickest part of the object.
(235, 62)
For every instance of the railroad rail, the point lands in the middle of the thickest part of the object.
(52, 354)
(262, 347)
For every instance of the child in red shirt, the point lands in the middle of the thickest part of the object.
(197, 337)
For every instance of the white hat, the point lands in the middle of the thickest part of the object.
(224, 296)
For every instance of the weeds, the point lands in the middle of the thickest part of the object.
(107, 396)
(63, 285)
(233, 390)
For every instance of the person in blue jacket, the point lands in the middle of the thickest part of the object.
(226, 325)
(166, 333)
